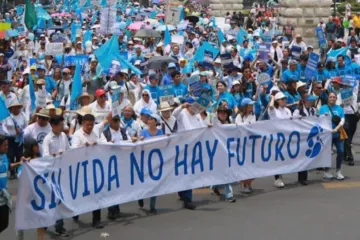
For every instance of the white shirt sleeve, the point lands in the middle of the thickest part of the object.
(75, 141)
(46, 147)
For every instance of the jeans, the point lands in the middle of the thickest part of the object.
(15, 152)
(227, 188)
(186, 195)
(152, 202)
(339, 144)
(350, 128)
(4, 217)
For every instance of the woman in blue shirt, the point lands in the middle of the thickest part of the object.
(222, 94)
(237, 91)
(151, 131)
(336, 113)
(292, 95)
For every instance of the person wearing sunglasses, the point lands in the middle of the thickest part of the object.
(146, 101)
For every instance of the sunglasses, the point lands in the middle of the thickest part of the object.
(103, 96)
(43, 118)
(145, 95)
(65, 74)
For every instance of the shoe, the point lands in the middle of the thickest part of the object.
(76, 218)
(216, 192)
(231, 200)
(279, 183)
(61, 233)
(246, 190)
(113, 215)
(141, 203)
(351, 162)
(12, 177)
(97, 225)
(153, 211)
(339, 175)
(304, 183)
(328, 176)
(189, 205)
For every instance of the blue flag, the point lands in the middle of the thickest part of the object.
(153, 14)
(74, 28)
(221, 36)
(167, 38)
(32, 94)
(200, 53)
(213, 22)
(110, 51)
(76, 89)
(4, 111)
(87, 37)
(103, 3)
(342, 51)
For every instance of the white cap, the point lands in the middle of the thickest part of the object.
(300, 84)
(217, 60)
(235, 82)
(274, 88)
(279, 95)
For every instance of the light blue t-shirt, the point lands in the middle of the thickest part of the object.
(336, 110)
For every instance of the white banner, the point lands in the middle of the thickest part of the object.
(89, 178)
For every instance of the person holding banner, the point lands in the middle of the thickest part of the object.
(336, 113)
(151, 131)
(278, 110)
(87, 136)
(223, 116)
(222, 94)
(246, 116)
(114, 134)
(101, 107)
(55, 143)
(128, 121)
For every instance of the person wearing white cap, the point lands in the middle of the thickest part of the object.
(137, 56)
(297, 47)
(278, 110)
(78, 48)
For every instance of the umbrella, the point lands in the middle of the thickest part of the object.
(2, 34)
(147, 33)
(157, 62)
(162, 28)
(161, 15)
(193, 19)
(135, 26)
(151, 21)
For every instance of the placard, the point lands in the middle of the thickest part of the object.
(263, 52)
(172, 14)
(347, 96)
(311, 66)
(195, 85)
(54, 49)
(166, 94)
(321, 36)
(226, 60)
(263, 78)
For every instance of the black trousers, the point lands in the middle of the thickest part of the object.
(357, 31)
(4, 217)
(114, 209)
(96, 216)
(350, 128)
(15, 152)
(302, 176)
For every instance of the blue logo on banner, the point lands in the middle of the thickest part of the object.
(314, 142)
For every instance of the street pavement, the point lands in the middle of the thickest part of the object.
(328, 210)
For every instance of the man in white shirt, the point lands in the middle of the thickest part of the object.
(40, 128)
(86, 136)
(101, 107)
(114, 135)
(187, 120)
(297, 47)
(56, 142)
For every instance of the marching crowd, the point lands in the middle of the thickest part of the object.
(233, 92)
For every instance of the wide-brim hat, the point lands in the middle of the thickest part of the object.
(85, 94)
(84, 111)
(51, 106)
(165, 106)
(15, 104)
(43, 113)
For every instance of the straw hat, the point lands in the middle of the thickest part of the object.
(51, 106)
(15, 104)
(43, 113)
(165, 106)
(84, 111)
(40, 82)
(85, 94)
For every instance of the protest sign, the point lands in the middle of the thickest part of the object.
(107, 20)
(197, 108)
(226, 60)
(311, 66)
(264, 52)
(263, 78)
(54, 48)
(195, 85)
(90, 178)
(115, 68)
(74, 60)
(32, 61)
(321, 36)
(349, 80)
(166, 94)
(177, 39)
(347, 96)
(208, 59)
(41, 98)
(172, 14)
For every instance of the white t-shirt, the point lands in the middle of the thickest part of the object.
(36, 132)
(186, 121)
(279, 113)
(9, 125)
(245, 120)
(99, 112)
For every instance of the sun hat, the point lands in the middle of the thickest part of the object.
(85, 94)
(84, 111)
(156, 117)
(165, 106)
(43, 113)
(246, 101)
(145, 111)
(337, 80)
(51, 106)
(300, 84)
(40, 82)
(235, 82)
(15, 104)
